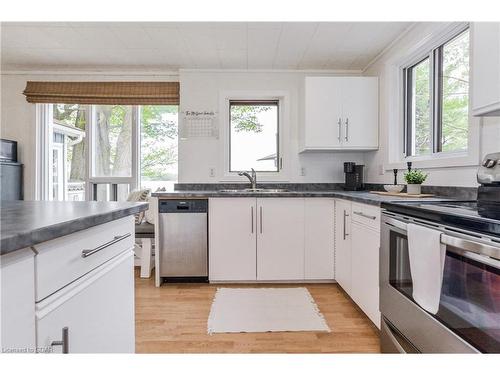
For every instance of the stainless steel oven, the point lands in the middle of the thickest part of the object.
(468, 319)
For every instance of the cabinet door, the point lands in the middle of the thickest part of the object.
(360, 112)
(232, 239)
(97, 309)
(280, 239)
(365, 273)
(319, 244)
(322, 113)
(343, 244)
(485, 65)
(17, 300)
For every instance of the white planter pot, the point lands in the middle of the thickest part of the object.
(414, 189)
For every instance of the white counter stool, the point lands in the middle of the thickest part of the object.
(144, 256)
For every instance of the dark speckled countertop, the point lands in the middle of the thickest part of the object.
(356, 196)
(26, 223)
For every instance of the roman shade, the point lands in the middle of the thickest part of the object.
(126, 93)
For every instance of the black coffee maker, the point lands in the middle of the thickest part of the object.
(353, 176)
(488, 194)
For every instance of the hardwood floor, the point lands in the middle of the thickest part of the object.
(173, 319)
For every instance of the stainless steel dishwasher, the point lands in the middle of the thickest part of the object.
(184, 240)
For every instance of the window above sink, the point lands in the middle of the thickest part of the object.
(254, 133)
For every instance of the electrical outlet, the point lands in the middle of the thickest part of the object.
(381, 169)
(212, 172)
(303, 171)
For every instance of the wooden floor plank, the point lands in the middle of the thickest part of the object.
(173, 319)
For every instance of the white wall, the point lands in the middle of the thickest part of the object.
(489, 128)
(18, 117)
(200, 91)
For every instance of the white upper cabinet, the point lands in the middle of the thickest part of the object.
(323, 110)
(340, 113)
(485, 68)
(360, 112)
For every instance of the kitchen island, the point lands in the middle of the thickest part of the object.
(67, 276)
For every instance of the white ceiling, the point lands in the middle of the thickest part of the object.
(174, 45)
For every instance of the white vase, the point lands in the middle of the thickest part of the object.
(414, 189)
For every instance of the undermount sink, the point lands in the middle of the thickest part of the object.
(253, 190)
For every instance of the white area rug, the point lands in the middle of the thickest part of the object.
(264, 310)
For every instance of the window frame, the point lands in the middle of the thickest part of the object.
(279, 164)
(435, 56)
(283, 98)
(44, 142)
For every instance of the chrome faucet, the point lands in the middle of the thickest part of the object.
(252, 178)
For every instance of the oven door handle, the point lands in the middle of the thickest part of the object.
(460, 243)
(471, 246)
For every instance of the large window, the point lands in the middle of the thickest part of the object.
(112, 141)
(437, 99)
(254, 136)
(101, 152)
(67, 150)
(159, 135)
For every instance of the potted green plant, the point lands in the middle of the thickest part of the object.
(414, 180)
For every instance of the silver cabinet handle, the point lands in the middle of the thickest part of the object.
(260, 219)
(64, 342)
(347, 129)
(365, 215)
(339, 123)
(88, 252)
(251, 215)
(345, 224)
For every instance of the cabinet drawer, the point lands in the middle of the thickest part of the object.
(97, 310)
(366, 215)
(60, 261)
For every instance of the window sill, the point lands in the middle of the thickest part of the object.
(435, 161)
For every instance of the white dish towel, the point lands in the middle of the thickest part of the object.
(427, 255)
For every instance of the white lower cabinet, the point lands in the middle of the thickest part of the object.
(97, 310)
(232, 239)
(357, 242)
(280, 239)
(319, 243)
(74, 293)
(343, 244)
(17, 301)
(271, 239)
(365, 271)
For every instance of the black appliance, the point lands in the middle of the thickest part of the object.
(11, 181)
(488, 193)
(8, 150)
(353, 176)
(11, 172)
